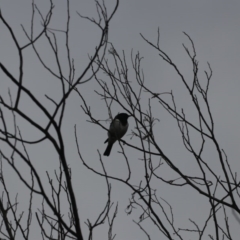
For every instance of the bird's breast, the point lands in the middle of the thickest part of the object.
(117, 130)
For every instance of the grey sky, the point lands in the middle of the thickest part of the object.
(214, 28)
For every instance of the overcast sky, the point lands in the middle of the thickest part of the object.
(213, 26)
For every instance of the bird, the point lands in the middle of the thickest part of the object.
(117, 130)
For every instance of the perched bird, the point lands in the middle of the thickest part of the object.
(118, 128)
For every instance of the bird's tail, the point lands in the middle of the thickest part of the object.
(108, 149)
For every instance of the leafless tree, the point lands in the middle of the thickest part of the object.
(124, 84)
(220, 188)
(53, 221)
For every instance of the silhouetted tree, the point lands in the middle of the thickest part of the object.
(123, 85)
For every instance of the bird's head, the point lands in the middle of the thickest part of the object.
(123, 117)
